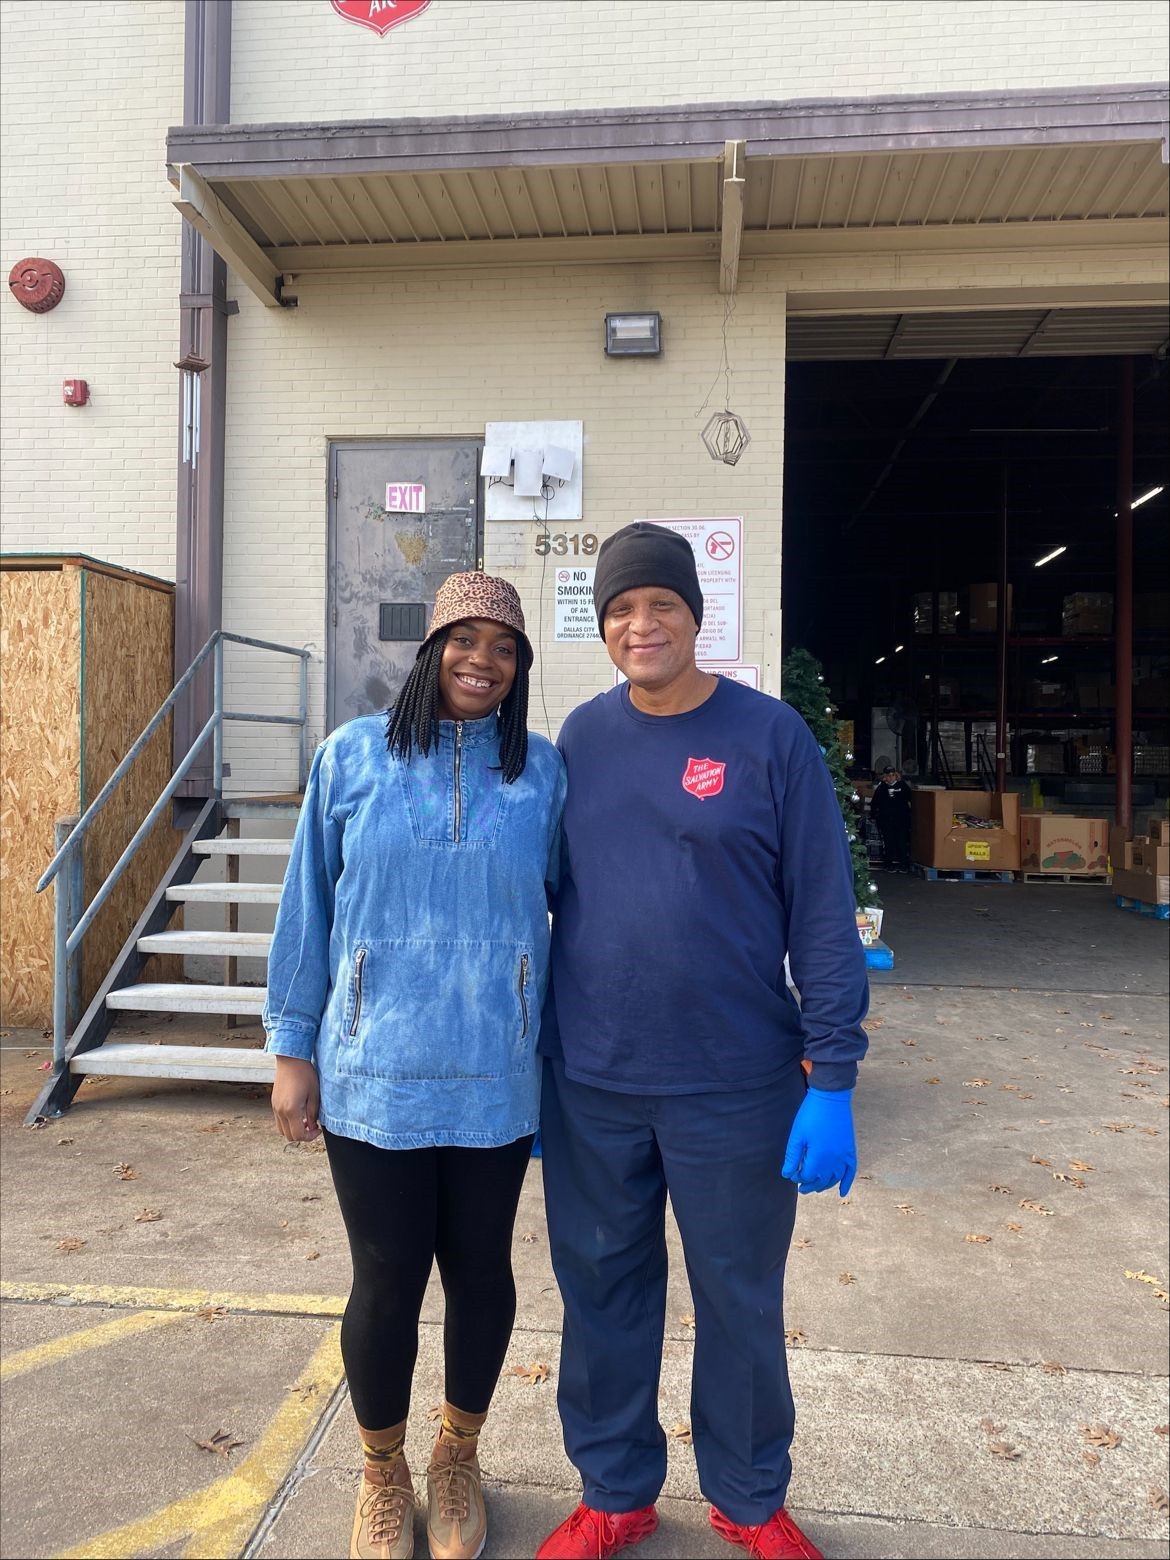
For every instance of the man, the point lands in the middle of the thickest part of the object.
(703, 842)
(890, 808)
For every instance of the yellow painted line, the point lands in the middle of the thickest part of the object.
(58, 1349)
(177, 1299)
(218, 1521)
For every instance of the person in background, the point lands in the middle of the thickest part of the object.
(703, 841)
(890, 810)
(405, 981)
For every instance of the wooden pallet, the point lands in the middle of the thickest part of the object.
(1159, 912)
(966, 875)
(1099, 878)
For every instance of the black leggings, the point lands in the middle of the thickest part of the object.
(404, 1209)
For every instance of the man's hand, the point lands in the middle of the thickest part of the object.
(296, 1099)
(821, 1147)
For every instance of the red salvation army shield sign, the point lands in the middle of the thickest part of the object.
(703, 777)
(379, 15)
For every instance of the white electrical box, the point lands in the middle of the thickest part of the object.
(533, 468)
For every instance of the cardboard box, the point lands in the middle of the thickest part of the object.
(1160, 831)
(982, 612)
(1153, 860)
(1087, 612)
(938, 841)
(1048, 695)
(1140, 885)
(1120, 849)
(1051, 842)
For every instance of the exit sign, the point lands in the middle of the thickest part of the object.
(406, 498)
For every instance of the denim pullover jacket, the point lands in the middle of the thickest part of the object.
(410, 957)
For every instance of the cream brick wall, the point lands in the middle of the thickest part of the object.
(301, 61)
(88, 92)
(420, 355)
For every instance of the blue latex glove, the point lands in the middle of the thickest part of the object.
(821, 1146)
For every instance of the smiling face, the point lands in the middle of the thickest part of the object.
(477, 670)
(650, 634)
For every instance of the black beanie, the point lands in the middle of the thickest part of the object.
(645, 554)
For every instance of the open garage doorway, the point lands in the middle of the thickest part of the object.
(913, 444)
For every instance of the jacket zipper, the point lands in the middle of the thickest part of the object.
(458, 769)
(523, 997)
(359, 961)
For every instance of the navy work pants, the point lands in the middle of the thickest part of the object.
(609, 1161)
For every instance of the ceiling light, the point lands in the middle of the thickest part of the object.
(1048, 660)
(879, 660)
(633, 335)
(1048, 557)
(1145, 497)
(898, 649)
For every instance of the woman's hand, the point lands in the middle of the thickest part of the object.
(296, 1099)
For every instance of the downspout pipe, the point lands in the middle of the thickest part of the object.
(202, 364)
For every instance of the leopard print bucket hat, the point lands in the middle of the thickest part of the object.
(477, 595)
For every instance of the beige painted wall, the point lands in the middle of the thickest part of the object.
(422, 355)
(301, 61)
(88, 91)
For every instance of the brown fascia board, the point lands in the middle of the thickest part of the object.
(1052, 116)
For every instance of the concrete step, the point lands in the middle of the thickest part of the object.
(179, 997)
(225, 893)
(219, 1063)
(227, 847)
(232, 945)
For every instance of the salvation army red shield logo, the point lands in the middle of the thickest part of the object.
(703, 777)
(379, 15)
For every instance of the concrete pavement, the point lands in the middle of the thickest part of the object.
(1037, 1120)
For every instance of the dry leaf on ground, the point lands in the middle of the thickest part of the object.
(1073, 1180)
(303, 1389)
(311, 1256)
(801, 1244)
(1052, 1368)
(528, 1238)
(1080, 1164)
(680, 1432)
(1036, 1160)
(846, 1278)
(687, 1319)
(976, 1083)
(70, 1243)
(148, 1216)
(1002, 1449)
(1092, 1459)
(211, 1313)
(1033, 1206)
(1143, 1277)
(977, 1240)
(1162, 1429)
(222, 1443)
(794, 1336)
(532, 1374)
(997, 1188)
(1013, 1227)
(905, 1208)
(1159, 1502)
(1100, 1435)
(125, 1172)
(989, 1427)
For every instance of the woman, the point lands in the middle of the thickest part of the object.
(405, 981)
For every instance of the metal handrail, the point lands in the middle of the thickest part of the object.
(67, 939)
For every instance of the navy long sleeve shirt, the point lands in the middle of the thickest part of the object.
(699, 850)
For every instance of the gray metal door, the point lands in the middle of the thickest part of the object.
(386, 563)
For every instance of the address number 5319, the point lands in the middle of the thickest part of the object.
(562, 543)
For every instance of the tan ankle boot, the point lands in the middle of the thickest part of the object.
(456, 1518)
(383, 1524)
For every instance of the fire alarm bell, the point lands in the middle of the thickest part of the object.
(76, 392)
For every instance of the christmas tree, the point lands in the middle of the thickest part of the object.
(806, 691)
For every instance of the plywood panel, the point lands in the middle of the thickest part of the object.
(40, 767)
(127, 672)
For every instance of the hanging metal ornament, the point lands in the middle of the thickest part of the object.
(726, 437)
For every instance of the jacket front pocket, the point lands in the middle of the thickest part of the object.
(418, 1008)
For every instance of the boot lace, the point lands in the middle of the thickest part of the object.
(385, 1511)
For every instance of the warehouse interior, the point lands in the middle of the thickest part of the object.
(927, 456)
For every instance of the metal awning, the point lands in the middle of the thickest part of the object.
(706, 180)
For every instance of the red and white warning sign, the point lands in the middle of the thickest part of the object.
(718, 549)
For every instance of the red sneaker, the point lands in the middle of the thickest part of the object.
(598, 1534)
(777, 1539)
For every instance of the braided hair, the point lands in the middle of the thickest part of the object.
(414, 715)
